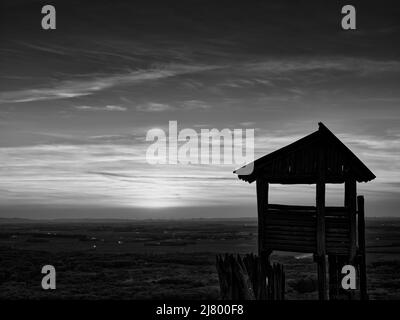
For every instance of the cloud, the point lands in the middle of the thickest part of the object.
(184, 105)
(113, 171)
(154, 107)
(109, 175)
(364, 66)
(105, 108)
(195, 104)
(296, 76)
(75, 88)
(247, 124)
(41, 95)
(43, 48)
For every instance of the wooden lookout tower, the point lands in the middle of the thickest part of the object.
(336, 233)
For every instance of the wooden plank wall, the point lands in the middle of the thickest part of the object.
(290, 228)
(293, 228)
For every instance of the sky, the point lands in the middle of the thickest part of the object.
(77, 102)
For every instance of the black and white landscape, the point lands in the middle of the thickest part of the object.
(76, 104)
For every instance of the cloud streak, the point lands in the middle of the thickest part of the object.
(105, 108)
(154, 107)
(117, 174)
(76, 88)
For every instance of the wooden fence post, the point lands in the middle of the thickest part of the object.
(245, 279)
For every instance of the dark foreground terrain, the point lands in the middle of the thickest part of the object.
(162, 259)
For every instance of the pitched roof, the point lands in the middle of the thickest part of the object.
(299, 162)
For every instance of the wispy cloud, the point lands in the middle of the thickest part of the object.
(113, 171)
(108, 174)
(31, 95)
(296, 75)
(44, 48)
(195, 104)
(361, 65)
(105, 108)
(75, 88)
(180, 105)
(154, 107)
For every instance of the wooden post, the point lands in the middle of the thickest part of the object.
(321, 259)
(361, 247)
(321, 246)
(350, 203)
(333, 277)
(262, 205)
(342, 294)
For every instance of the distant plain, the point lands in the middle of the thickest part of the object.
(162, 259)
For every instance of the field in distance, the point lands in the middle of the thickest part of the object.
(162, 259)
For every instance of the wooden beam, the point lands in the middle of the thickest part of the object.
(262, 203)
(361, 247)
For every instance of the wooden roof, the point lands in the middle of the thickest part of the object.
(300, 162)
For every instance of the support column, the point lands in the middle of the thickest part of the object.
(361, 245)
(262, 206)
(350, 202)
(333, 277)
(321, 251)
